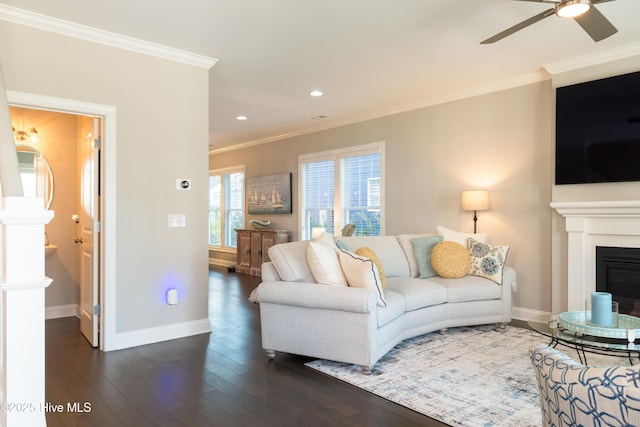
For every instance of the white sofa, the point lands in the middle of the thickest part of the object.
(346, 324)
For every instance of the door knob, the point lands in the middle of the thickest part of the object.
(78, 240)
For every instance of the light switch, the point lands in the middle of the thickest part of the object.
(177, 220)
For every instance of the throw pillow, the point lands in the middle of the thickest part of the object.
(322, 257)
(459, 237)
(290, 261)
(423, 247)
(369, 253)
(362, 272)
(450, 259)
(487, 261)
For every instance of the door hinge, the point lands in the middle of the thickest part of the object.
(96, 310)
(97, 143)
(97, 226)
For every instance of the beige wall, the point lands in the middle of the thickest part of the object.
(501, 141)
(162, 134)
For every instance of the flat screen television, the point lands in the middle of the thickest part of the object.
(598, 131)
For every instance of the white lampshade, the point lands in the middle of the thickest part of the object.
(475, 200)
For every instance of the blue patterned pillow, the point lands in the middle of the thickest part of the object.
(487, 261)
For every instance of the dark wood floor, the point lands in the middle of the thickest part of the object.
(218, 379)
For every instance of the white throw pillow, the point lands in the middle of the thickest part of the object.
(290, 261)
(459, 237)
(361, 272)
(322, 257)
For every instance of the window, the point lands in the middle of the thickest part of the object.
(342, 187)
(226, 206)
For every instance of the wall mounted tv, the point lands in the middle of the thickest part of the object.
(598, 131)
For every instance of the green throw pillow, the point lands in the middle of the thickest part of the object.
(422, 247)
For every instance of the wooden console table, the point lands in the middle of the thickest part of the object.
(253, 247)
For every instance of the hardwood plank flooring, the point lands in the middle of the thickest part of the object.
(218, 379)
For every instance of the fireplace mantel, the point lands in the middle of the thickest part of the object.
(598, 209)
(591, 224)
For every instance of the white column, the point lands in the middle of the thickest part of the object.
(22, 287)
(577, 253)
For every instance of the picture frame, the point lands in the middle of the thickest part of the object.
(269, 194)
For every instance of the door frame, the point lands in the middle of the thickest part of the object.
(107, 179)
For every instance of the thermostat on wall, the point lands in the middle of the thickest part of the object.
(183, 184)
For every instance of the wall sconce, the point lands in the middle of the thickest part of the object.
(475, 200)
(23, 135)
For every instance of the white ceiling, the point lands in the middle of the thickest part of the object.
(370, 58)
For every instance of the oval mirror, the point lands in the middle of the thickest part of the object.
(35, 174)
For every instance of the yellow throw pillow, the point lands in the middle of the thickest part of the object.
(450, 259)
(368, 253)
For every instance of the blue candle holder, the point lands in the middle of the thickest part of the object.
(601, 308)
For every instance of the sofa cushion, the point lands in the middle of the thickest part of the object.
(386, 247)
(450, 259)
(487, 261)
(407, 247)
(290, 261)
(322, 257)
(423, 247)
(396, 306)
(468, 288)
(459, 237)
(361, 272)
(368, 253)
(418, 293)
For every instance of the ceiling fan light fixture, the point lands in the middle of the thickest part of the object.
(573, 8)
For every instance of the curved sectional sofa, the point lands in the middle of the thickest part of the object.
(350, 324)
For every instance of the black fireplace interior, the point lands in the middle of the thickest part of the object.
(618, 272)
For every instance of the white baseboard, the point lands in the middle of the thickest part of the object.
(161, 333)
(222, 263)
(57, 311)
(527, 313)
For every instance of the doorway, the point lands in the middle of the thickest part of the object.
(96, 214)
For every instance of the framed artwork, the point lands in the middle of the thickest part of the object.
(269, 195)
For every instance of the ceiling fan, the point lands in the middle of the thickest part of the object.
(583, 12)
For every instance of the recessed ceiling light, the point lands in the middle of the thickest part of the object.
(316, 93)
(241, 118)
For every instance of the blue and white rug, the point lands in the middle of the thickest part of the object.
(471, 376)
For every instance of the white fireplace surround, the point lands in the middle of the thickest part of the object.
(591, 224)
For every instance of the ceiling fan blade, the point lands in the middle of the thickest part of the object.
(519, 26)
(596, 25)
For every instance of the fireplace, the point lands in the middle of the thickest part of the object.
(618, 272)
(589, 225)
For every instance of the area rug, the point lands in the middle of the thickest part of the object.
(470, 376)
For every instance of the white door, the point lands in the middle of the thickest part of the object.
(88, 156)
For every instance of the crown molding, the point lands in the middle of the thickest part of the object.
(47, 23)
(606, 56)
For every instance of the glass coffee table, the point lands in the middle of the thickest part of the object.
(585, 339)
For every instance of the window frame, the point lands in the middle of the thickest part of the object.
(224, 247)
(336, 156)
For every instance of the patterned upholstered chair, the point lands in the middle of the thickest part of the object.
(575, 395)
